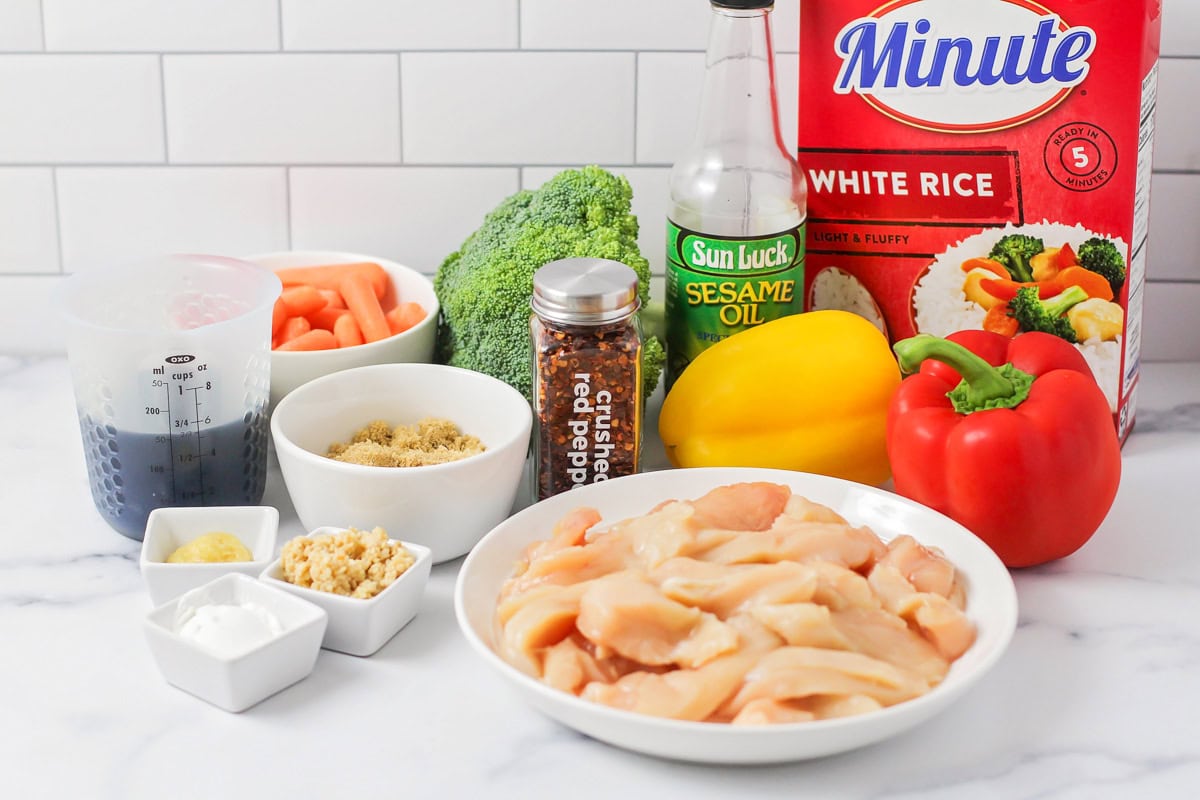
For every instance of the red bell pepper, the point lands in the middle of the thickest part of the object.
(1010, 437)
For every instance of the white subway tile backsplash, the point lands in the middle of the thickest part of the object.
(517, 108)
(113, 215)
(414, 215)
(31, 301)
(1174, 233)
(399, 24)
(1169, 330)
(402, 150)
(20, 26)
(614, 24)
(650, 193)
(28, 221)
(282, 109)
(635, 25)
(668, 104)
(1176, 145)
(1181, 27)
(669, 88)
(156, 26)
(70, 109)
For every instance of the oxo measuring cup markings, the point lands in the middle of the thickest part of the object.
(171, 368)
(185, 427)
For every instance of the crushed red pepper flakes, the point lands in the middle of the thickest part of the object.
(610, 356)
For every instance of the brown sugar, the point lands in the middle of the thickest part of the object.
(430, 441)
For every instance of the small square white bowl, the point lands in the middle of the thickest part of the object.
(359, 626)
(237, 683)
(169, 528)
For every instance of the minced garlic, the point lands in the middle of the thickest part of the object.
(352, 563)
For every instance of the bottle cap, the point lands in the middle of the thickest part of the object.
(585, 291)
(743, 4)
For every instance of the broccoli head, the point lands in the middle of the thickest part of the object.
(1014, 252)
(484, 288)
(1034, 314)
(1102, 257)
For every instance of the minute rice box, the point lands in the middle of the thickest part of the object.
(956, 149)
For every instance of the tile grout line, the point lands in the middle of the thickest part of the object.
(520, 35)
(279, 20)
(637, 62)
(287, 204)
(162, 109)
(400, 103)
(58, 227)
(42, 16)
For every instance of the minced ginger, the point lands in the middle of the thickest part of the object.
(430, 441)
(352, 563)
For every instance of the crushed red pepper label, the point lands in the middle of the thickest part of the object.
(588, 402)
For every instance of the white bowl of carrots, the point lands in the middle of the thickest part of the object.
(344, 310)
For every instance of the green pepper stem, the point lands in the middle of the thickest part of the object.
(983, 386)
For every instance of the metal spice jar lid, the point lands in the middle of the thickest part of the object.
(585, 291)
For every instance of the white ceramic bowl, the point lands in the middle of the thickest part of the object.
(445, 507)
(235, 684)
(289, 370)
(170, 528)
(361, 626)
(991, 605)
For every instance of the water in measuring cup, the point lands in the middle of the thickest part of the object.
(132, 473)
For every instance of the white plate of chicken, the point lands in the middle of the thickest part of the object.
(735, 615)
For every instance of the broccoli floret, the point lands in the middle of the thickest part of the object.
(1014, 252)
(1034, 314)
(484, 288)
(1102, 257)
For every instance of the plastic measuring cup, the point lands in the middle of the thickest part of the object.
(170, 360)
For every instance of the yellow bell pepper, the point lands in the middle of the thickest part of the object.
(808, 392)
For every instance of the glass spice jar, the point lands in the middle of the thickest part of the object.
(587, 373)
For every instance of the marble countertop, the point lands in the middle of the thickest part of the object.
(1097, 697)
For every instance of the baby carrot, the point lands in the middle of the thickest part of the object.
(279, 315)
(313, 340)
(302, 300)
(364, 305)
(330, 276)
(333, 298)
(346, 331)
(404, 316)
(327, 317)
(293, 327)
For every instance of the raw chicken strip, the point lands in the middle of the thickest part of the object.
(941, 622)
(722, 590)
(603, 556)
(689, 694)
(568, 532)
(742, 506)
(768, 711)
(794, 672)
(840, 588)
(870, 631)
(925, 569)
(805, 510)
(848, 705)
(663, 534)
(542, 617)
(802, 624)
(793, 540)
(629, 616)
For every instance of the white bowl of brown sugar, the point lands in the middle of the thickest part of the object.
(432, 454)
